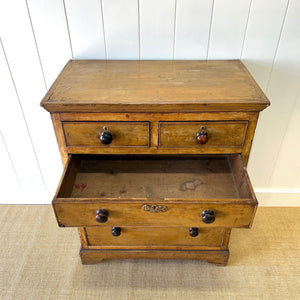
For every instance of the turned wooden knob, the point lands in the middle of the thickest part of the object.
(106, 136)
(202, 136)
(101, 215)
(208, 216)
(116, 231)
(193, 231)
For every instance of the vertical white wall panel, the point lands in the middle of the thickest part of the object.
(263, 33)
(51, 34)
(288, 161)
(40, 36)
(121, 23)
(86, 29)
(228, 27)
(288, 60)
(157, 21)
(262, 36)
(19, 44)
(282, 91)
(14, 131)
(8, 179)
(296, 184)
(192, 28)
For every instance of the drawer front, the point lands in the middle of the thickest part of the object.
(219, 134)
(199, 191)
(124, 134)
(159, 237)
(75, 214)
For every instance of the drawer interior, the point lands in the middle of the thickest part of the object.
(155, 178)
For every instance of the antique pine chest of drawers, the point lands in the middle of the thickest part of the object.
(154, 155)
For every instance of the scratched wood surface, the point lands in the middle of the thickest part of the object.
(90, 85)
(228, 214)
(186, 186)
(154, 178)
(154, 238)
(123, 133)
(182, 134)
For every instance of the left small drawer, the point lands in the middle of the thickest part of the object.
(123, 134)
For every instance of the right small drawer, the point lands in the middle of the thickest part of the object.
(202, 134)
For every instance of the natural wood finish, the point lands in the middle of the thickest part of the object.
(218, 257)
(241, 178)
(153, 150)
(226, 238)
(139, 86)
(57, 81)
(155, 238)
(151, 178)
(182, 116)
(83, 237)
(253, 117)
(187, 186)
(243, 181)
(183, 134)
(59, 133)
(124, 134)
(154, 110)
(154, 134)
(124, 213)
(155, 178)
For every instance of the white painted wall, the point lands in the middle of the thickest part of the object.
(37, 37)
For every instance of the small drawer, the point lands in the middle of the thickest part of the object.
(202, 134)
(156, 237)
(123, 134)
(199, 191)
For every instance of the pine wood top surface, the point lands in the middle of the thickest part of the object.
(158, 86)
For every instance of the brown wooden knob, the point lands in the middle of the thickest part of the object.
(116, 231)
(101, 215)
(193, 231)
(202, 136)
(208, 216)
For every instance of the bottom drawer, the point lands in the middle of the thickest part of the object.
(157, 238)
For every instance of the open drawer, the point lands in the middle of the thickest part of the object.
(193, 191)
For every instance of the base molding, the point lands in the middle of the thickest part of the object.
(92, 256)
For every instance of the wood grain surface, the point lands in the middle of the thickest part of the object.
(185, 186)
(72, 214)
(123, 133)
(155, 108)
(183, 134)
(95, 85)
(154, 238)
(228, 132)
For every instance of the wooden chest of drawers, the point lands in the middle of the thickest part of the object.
(154, 155)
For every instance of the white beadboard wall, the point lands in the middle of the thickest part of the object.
(37, 37)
